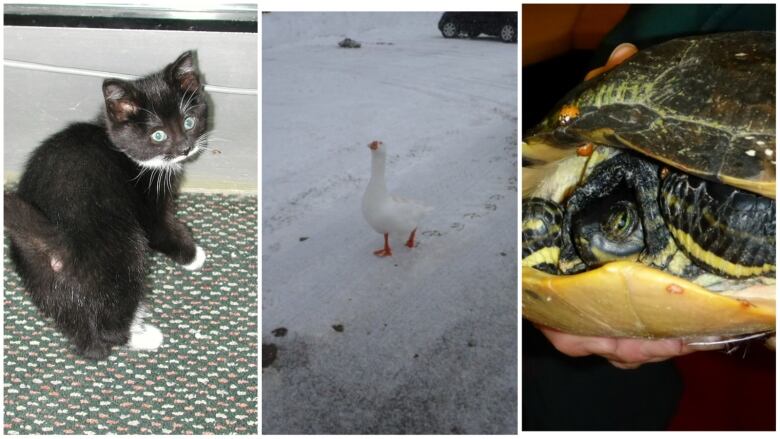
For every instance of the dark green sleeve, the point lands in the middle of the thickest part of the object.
(646, 25)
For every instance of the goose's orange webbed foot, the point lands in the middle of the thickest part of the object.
(410, 241)
(382, 252)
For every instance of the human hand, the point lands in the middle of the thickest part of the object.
(623, 353)
(621, 53)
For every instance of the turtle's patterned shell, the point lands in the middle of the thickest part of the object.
(705, 105)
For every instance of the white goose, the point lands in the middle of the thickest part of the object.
(385, 213)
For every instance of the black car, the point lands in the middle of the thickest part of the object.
(473, 24)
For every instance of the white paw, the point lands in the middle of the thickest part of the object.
(144, 337)
(200, 258)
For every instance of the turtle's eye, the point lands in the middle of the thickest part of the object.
(609, 229)
(567, 114)
(158, 136)
(621, 222)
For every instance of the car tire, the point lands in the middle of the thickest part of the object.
(508, 33)
(450, 29)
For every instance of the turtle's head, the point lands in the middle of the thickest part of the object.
(556, 137)
(610, 229)
(559, 133)
(574, 121)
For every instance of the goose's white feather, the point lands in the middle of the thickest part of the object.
(384, 212)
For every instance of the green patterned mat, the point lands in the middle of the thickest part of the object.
(203, 379)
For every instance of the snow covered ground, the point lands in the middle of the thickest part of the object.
(424, 341)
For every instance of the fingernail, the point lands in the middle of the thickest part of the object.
(620, 47)
(711, 343)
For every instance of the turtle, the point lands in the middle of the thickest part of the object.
(649, 195)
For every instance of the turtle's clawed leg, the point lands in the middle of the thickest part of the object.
(541, 243)
(569, 261)
(659, 244)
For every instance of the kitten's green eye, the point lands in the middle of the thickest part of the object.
(159, 136)
(189, 123)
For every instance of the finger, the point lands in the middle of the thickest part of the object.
(646, 351)
(581, 346)
(625, 366)
(578, 345)
(621, 53)
(621, 352)
(595, 72)
(664, 348)
(625, 363)
(633, 353)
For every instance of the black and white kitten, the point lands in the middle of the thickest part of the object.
(95, 197)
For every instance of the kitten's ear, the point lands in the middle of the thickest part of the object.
(120, 104)
(183, 72)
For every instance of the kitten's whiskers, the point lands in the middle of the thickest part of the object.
(162, 177)
(187, 104)
(140, 173)
(181, 101)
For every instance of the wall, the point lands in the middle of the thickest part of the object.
(39, 103)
